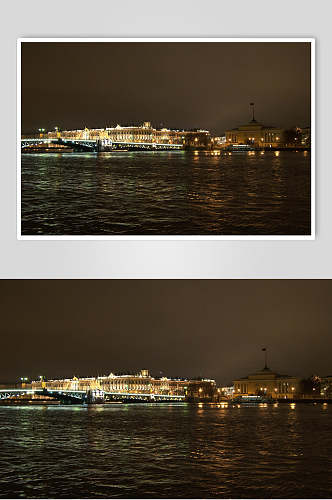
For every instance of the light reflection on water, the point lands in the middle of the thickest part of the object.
(166, 451)
(166, 193)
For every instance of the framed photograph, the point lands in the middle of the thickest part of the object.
(160, 389)
(133, 138)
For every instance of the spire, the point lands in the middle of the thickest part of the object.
(252, 104)
(265, 357)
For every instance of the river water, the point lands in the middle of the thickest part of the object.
(166, 451)
(166, 193)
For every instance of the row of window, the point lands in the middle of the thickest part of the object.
(268, 137)
(280, 387)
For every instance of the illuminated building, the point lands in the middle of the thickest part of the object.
(200, 390)
(255, 134)
(268, 383)
(326, 386)
(141, 383)
(218, 142)
(305, 136)
(227, 391)
(144, 133)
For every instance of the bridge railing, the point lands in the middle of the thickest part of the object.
(81, 395)
(104, 142)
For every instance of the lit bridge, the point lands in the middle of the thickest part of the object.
(80, 397)
(98, 144)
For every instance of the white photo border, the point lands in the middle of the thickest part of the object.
(310, 40)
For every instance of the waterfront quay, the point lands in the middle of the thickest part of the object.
(263, 386)
(125, 388)
(133, 138)
(251, 136)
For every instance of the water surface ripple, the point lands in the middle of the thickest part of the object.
(166, 193)
(166, 451)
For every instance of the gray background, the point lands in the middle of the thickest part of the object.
(166, 259)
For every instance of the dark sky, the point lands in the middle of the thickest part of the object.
(181, 85)
(211, 328)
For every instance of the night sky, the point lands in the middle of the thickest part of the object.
(176, 85)
(210, 328)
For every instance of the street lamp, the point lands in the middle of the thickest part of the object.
(41, 132)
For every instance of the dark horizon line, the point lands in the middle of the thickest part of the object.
(180, 129)
(116, 374)
(132, 374)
